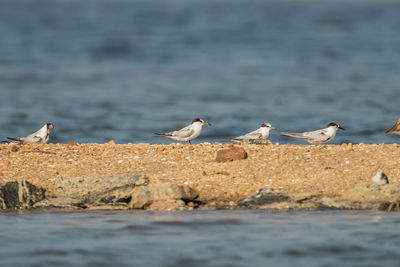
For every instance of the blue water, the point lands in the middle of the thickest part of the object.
(199, 238)
(123, 69)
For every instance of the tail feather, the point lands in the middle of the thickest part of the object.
(229, 139)
(161, 135)
(294, 135)
(13, 140)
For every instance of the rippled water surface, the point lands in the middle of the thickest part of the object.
(123, 69)
(200, 238)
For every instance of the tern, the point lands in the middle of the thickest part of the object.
(261, 133)
(380, 178)
(39, 137)
(317, 137)
(187, 133)
(395, 129)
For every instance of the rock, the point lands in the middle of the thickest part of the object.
(15, 148)
(163, 191)
(167, 205)
(59, 203)
(20, 195)
(263, 197)
(105, 188)
(380, 178)
(230, 154)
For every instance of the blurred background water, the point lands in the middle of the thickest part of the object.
(124, 69)
(199, 238)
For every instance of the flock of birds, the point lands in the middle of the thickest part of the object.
(193, 130)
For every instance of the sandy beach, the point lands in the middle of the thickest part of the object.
(326, 169)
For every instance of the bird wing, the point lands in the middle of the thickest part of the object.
(183, 133)
(33, 139)
(318, 135)
(252, 135)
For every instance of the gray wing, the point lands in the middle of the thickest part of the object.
(252, 135)
(32, 140)
(318, 135)
(183, 133)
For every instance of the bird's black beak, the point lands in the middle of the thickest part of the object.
(341, 128)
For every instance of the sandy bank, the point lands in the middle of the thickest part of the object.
(305, 169)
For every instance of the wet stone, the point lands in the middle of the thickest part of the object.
(263, 197)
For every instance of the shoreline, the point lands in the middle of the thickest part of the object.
(292, 170)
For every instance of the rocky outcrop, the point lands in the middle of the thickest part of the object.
(105, 189)
(362, 197)
(162, 195)
(88, 192)
(130, 191)
(105, 192)
(368, 197)
(20, 195)
(264, 197)
(230, 154)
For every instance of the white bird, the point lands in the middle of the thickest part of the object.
(39, 137)
(261, 133)
(380, 178)
(317, 137)
(187, 133)
(395, 128)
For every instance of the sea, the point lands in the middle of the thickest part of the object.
(199, 238)
(121, 70)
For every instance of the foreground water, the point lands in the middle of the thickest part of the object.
(200, 238)
(124, 69)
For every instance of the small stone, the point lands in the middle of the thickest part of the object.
(112, 142)
(230, 154)
(14, 149)
(73, 143)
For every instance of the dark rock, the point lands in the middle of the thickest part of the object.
(162, 191)
(263, 197)
(367, 197)
(20, 195)
(107, 199)
(362, 197)
(59, 203)
(230, 154)
(97, 190)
